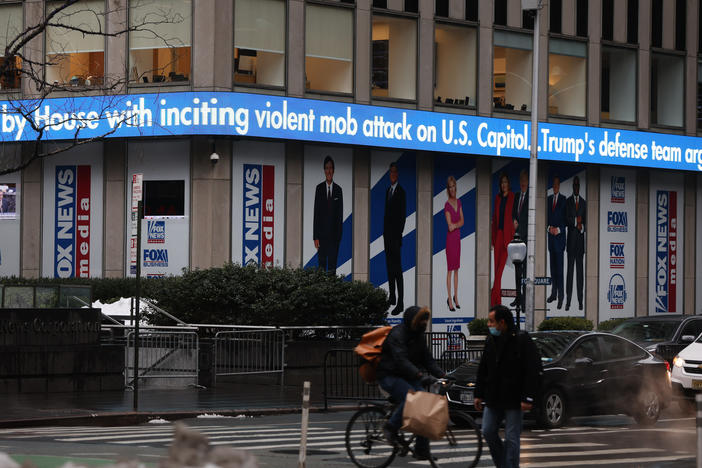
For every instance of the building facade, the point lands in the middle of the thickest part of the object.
(442, 88)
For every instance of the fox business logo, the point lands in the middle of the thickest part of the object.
(617, 221)
(155, 257)
(617, 292)
(156, 232)
(618, 189)
(616, 254)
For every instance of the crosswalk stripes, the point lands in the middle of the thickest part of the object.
(538, 448)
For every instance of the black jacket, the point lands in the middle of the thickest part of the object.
(328, 215)
(395, 214)
(509, 371)
(522, 217)
(405, 352)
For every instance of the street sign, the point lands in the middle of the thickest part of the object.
(539, 281)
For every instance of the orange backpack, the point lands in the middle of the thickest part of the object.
(369, 350)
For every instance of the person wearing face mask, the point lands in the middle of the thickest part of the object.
(406, 364)
(507, 382)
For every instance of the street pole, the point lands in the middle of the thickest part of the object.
(531, 231)
(137, 315)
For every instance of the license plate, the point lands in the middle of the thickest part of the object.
(697, 384)
(467, 396)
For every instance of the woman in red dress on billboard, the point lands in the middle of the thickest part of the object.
(502, 234)
(454, 219)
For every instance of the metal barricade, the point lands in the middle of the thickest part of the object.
(244, 352)
(440, 343)
(342, 380)
(163, 354)
(451, 359)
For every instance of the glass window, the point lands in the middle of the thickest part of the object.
(587, 348)
(512, 60)
(394, 68)
(693, 327)
(455, 65)
(632, 22)
(164, 198)
(159, 50)
(667, 78)
(73, 55)
(329, 49)
(615, 348)
(259, 42)
(11, 25)
(567, 77)
(581, 18)
(699, 95)
(618, 84)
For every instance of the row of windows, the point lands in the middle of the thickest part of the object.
(160, 51)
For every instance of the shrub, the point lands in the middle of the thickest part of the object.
(478, 327)
(609, 325)
(248, 295)
(565, 323)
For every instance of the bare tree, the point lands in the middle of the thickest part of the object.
(30, 77)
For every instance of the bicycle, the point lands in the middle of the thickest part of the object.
(368, 448)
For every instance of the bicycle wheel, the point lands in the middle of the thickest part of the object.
(462, 445)
(365, 442)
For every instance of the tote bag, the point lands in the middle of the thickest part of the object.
(425, 414)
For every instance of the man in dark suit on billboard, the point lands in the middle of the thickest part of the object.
(555, 207)
(328, 219)
(576, 209)
(393, 226)
(520, 216)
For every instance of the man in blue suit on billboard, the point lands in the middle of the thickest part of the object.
(556, 218)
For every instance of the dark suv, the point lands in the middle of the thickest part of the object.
(664, 335)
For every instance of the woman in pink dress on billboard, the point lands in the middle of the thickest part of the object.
(454, 219)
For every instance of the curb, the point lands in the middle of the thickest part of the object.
(140, 417)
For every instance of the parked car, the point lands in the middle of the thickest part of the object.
(686, 375)
(665, 335)
(586, 373)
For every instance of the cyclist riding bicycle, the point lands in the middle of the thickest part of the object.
(406, 364)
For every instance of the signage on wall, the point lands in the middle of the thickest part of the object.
(72, 232)
(258, 214)
(666, 251)
(617, 276)
(137, 193)
(257, 115)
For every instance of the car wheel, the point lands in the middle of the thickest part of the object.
(649, 408)
(553, 412)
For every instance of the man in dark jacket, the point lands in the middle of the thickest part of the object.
(507, 382)
(406, 364)
(393, 226)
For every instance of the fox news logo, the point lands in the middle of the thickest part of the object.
(157, 232)
(616, 254)
(617, 221)
(618, 189)
(617, 292)
(155, 257)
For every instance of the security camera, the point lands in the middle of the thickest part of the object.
(214, 157)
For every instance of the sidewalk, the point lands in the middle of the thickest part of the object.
(111, 408)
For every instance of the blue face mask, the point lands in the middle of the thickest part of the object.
(494, 331)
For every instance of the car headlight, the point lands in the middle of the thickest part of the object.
(678, 361)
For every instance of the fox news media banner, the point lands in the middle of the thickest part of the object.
(617, 243)
(512, 169)
(340, 204)
(453, 253)
(165, 231)
(382, 203)
(72, 227)
(10, 224)
(571, 252)
(665, 259)
(258, 203)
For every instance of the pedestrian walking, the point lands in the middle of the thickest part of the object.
(508, 381)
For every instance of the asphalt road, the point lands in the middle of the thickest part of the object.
(593, 441)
